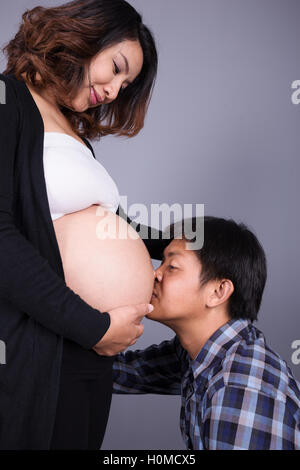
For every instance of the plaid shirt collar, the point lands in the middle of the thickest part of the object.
(217, 345)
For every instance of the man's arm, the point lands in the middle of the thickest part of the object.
(242, 418)
(156, 369)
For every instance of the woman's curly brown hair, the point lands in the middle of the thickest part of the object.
(58, 42)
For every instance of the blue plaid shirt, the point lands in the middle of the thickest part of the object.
(236, 394)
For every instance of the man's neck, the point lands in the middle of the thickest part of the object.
(193, 334)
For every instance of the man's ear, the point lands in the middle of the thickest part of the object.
(219, 292)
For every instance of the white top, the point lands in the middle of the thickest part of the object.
(74, 178)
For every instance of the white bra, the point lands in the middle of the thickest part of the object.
(74, 178)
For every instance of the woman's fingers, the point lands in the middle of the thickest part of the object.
(125, 328)
(139, 330)
(141, 311)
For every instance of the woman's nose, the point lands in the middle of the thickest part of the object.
(112, 92)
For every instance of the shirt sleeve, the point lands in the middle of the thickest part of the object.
(244, 419)
(156, 369)
(26, 278)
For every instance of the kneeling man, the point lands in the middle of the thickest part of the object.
(237, 393)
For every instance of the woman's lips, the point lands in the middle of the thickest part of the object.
(99, 99)
(94, 97)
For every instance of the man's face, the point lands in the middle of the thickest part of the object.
(177, 294)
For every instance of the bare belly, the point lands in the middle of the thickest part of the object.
(105, 272)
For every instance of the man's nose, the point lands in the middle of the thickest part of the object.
(158, 275)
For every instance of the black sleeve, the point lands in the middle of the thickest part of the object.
(26, 277)
(152, 237)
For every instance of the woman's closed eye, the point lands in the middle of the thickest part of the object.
(117, 70)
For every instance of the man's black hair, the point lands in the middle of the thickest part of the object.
(230, 251)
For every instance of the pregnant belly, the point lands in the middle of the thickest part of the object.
(104, 259)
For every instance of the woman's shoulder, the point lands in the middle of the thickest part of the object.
(8, 89)
(11, 89)
(9, 102)
(8, 79)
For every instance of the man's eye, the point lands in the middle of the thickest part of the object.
(171, 267)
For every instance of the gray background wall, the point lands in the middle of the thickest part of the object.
(221, 130)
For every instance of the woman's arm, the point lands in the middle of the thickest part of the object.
(26, 278)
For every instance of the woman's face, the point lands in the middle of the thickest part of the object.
(109, 71)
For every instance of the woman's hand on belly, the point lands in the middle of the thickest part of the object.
(125, 328)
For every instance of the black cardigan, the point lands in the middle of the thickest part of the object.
(37, 309)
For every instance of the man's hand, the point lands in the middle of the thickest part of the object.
(125, 328)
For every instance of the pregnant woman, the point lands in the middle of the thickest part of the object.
(70, 298)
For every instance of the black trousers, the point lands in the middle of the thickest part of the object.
(84, 400)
